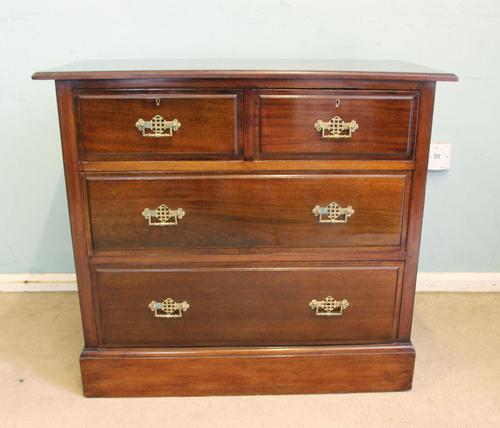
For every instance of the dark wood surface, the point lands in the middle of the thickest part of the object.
(249, 253)
(249, 371)
(65, 105)
(211, 124)
(248, 85)
(254, 166)
(417, 208)
(245, 68)
(386, 123)
(246, 211)
(247, 306)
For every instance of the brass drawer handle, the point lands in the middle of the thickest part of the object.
(336, 127)
(157, 127)
(329, 307)
(168, 308)
(333, 213)
(164, 215)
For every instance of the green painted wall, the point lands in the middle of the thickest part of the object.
(462, 219)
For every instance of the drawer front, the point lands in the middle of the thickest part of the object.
(247, 306)
(257, 212)
(125, 125)
(339, 124)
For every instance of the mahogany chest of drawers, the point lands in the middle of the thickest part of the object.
(245, 227)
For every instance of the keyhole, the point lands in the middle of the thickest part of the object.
(157, 101)
(337, 103)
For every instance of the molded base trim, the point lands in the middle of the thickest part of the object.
(246, 371)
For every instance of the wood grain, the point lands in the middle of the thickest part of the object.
(256, 211)
(249, 254)
(245, 68)
(64, 91)
(248, 166)
(417, 209)
(210, 124)
(304, 370)
(250, 83)
(386, 123)
(244, 306)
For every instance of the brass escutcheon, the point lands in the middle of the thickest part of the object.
(332, 213)
(168, 308)
(336, 127)
(157, 126)
(329, 307)
(163, 216)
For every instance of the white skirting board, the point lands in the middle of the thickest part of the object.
(458, 281)
(38, 282)
(442, 281)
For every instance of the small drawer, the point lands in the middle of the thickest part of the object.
(256, 213)
(337, 124)
(247, 306)
(128, 125)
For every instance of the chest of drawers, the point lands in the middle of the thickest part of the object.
(245, 227)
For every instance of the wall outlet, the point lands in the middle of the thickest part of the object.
(439, 156)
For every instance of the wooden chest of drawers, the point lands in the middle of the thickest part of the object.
(245, 228)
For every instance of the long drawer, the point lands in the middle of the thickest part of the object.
(250, 212)
(130, 125)
(247, 305)
(337, 124)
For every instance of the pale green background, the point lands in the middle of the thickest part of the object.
(462, 219)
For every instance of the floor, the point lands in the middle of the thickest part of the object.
(457, 376)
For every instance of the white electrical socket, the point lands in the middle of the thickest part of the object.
(439, 156)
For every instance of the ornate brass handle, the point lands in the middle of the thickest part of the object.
(164, 215)
(336, 127)
(333, 213)
(168, 308)
(329, 307)
(157, 127)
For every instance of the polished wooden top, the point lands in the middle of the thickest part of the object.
(245, 68)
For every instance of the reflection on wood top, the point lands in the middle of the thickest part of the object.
(244, 68)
